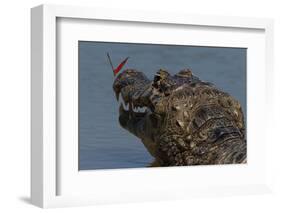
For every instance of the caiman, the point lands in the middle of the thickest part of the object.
(180, 119)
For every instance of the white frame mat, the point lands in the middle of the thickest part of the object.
(55, 179)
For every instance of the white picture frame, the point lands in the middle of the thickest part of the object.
(47, 165)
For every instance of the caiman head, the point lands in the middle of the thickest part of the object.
(143, 106)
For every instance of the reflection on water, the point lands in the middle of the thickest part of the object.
(103, 144)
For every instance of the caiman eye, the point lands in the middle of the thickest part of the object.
(159, 77)
(186, 73)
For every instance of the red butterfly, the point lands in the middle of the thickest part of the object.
(119, 67)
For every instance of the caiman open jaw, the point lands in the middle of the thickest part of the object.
(132, 90)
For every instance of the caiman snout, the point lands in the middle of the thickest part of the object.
(131, 85)
(132, 89)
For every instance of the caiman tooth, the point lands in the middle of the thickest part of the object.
(126, 101)
(121, 109)
(126, 106)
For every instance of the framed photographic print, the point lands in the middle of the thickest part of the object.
(131, 106)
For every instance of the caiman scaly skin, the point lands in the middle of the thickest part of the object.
(183, 120)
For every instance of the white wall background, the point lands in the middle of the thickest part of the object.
(15, 105)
